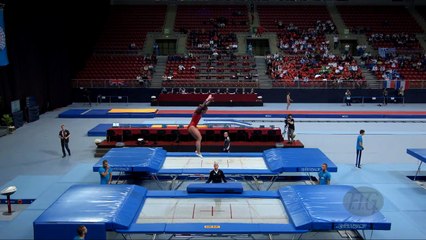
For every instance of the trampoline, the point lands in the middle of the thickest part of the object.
(159, 163)
(420, 154)
(131, 209)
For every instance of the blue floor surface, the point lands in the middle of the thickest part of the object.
(31, 160)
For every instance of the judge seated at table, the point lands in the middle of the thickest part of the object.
(216, 175)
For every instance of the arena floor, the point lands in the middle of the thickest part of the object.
(31, 159)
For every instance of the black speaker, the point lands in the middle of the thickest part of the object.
(33, 114)
(30, 102)
(18, 119)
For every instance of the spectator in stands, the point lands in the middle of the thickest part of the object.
(105, 173)
(359, 148)
(289, 100)
(192, 126)
(81, 233)
(226, 143)
(324, 176)
(216, 175)
(347, 48)
(155, 49)
(335, 41)
(132, 46)
(64, 135)
(348, 99)
(250, 49)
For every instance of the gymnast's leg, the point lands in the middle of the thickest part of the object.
(195, 133)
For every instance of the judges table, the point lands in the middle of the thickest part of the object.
(173, 132)
(221, 99)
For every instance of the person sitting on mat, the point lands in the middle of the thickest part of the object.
(216, 175)
(323, 175)
(192, 127)
(81, 233)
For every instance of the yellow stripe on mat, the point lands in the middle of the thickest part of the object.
(133, 110)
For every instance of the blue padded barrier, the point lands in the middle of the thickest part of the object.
(72, 113)
(114, 206)
(216, 228)
(297, 160)
(185, 194)
(137, 159)
(326, 209)
(214, 188)
(419, 153)
(297, 212)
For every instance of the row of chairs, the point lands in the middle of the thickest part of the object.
(208, 135)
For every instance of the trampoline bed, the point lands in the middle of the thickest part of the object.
(130, 209)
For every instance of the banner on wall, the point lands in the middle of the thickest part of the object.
(395, 84)
(3, 53)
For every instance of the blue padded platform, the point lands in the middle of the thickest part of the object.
(113, 205)
(101, 113)
(134, 159)
(297, 160)
(321, 207)
(101, 129)
(214, 188)
(419, 153)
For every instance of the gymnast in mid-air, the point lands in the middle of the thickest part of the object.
(192, 127)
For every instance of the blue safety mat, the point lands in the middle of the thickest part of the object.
(419, 153)
(231, 187)
(113, 205)
(325, 207)
(135, 159)
(101, 113)
(297, 160)
(104, 113)
(101, 129)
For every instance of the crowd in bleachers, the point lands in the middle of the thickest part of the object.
(119, 69)
(212, 44)
(400, 41)
(213, 40)
(294, 40)
(203, 68)
(310, 69)
(397, 67)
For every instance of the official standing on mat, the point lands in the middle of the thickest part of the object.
(324, 176)
(192, 127)
(216, 175)
(105, 172)
(64, 135)
(290, 128)
(359, 148)
(226, 142)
